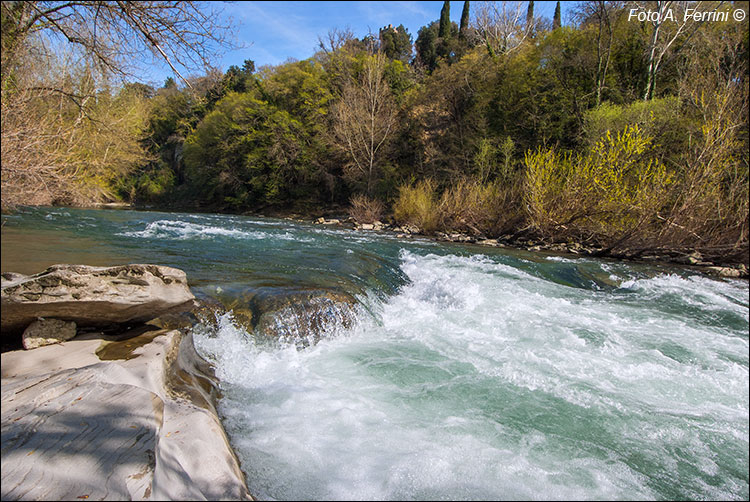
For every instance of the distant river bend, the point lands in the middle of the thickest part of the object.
(468, 372)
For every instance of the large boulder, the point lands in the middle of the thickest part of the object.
(93, 296)
(303, 317)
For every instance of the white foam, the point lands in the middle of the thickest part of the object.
(183, 230)
(478, 380)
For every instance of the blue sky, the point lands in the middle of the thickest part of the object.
(272, 32)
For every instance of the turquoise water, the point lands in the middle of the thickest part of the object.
(470, 373)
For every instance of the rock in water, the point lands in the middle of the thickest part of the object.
(304, 317)
(48, 331)
(93, 296)
(295, 316)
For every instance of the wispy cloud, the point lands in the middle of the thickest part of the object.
(274, 31)
(276, 22)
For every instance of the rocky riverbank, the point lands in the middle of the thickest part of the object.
(337, 217)
(125, 409)
(688, 258)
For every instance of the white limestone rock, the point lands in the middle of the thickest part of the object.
(93, 420)
(94, 296)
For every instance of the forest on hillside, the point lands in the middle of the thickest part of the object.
(607, 129)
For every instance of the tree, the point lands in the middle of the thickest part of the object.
(664, 34)
(464, 26)
(58, 63)
(711, 212)
(364, 120)
(245, 153)
(119, 35)
(599, 14)
(445, 20)
(69, 149)
(396, 43)
(530, 13)
(556, 17)
(500, 27)
(426, 46)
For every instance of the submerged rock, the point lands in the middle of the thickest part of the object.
(93, 296)
(304, 317)
(48, 331)
(301, 317)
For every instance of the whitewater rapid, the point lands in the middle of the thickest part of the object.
(468, 372)
(481, 380)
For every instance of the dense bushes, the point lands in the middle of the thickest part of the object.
(469, 206)
(365, 209)
(605, 195)
(417, 205)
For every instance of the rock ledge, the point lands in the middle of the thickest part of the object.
(93, 296)
(138, 424)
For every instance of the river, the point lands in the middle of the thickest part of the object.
(469, 372)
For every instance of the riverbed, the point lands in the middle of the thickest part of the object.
(468, 372)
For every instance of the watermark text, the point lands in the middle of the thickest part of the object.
(690, 14)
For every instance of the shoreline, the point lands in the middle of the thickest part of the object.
(671, 257)
(337, 217)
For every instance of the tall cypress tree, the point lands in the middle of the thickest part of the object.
(530, 14)
(445, 20)
(464, 26)
(556, 19)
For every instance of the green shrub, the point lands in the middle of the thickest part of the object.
(417, 205)
(658, 118)
(604, 194)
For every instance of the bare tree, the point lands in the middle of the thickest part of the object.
(66, 128)
(337, 53)
(601, 13)
(65, 142)
(711, 212)
(364, 119)
(669, 25)
(335, 40)
(501, 26)
(119, 35)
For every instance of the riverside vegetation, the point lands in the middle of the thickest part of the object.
(627, 136)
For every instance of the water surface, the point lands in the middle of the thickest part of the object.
(470, 373)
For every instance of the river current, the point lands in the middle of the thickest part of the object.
(468, 373)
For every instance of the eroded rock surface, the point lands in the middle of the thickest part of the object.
(303, 316)
(48, 331)
(295, 316)
(138, 427)
(93, 296)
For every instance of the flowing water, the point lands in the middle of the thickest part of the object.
(468, 372)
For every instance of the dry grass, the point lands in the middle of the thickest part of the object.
(417, 205)
(365, 209)
(480, 208)
(466, 206)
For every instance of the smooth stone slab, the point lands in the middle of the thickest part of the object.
(139, 427)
